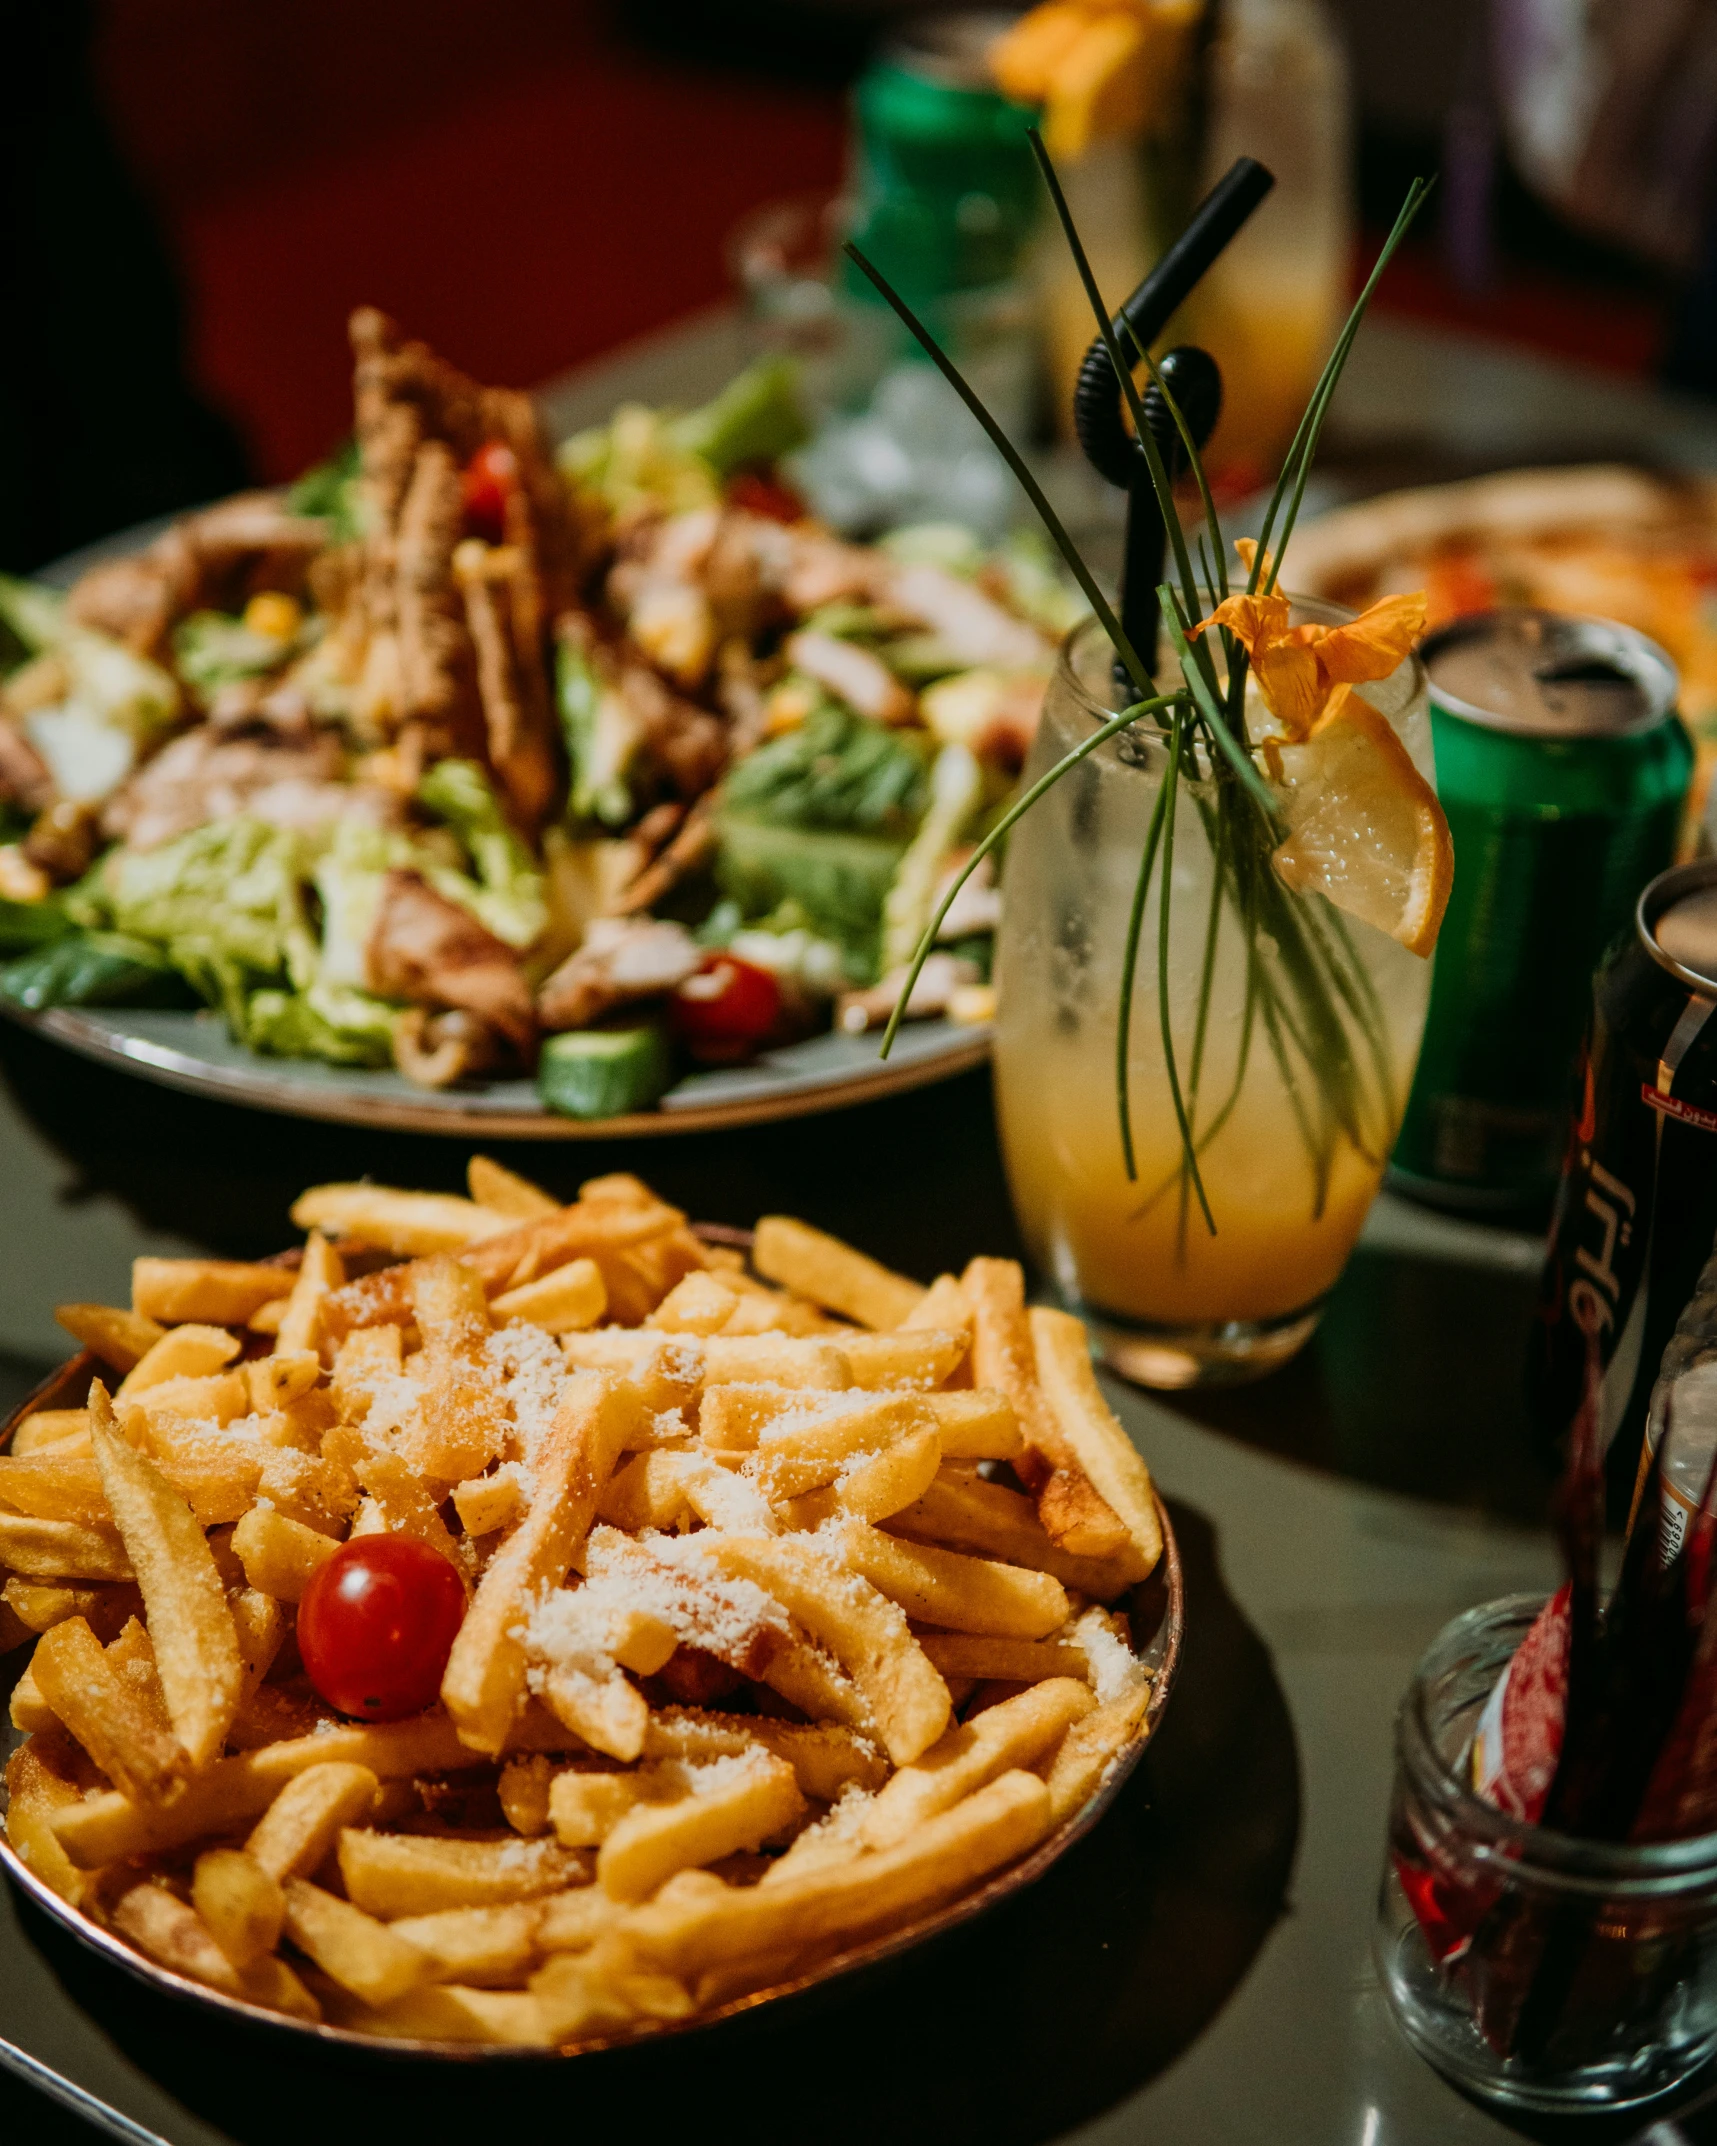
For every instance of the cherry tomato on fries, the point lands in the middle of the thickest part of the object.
(727, 1008)
(376, 1626)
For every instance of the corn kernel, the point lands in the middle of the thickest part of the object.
(274, 616)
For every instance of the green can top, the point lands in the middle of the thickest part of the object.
(1549, 675)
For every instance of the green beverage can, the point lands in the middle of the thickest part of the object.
(1563, 769)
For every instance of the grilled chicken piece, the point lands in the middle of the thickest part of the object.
(213, 561)
(971, 626)
(852, 674)
(290, 778)
(502, 614)
(433, 1050)
(623, 959)
(425, 948)
(24, 776)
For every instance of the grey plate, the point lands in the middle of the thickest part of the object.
(1157, 1608)
(193, 1051)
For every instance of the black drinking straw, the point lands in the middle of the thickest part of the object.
(1190, 374)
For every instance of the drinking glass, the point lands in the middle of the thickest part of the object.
(1534, 1969)
(1294, 1101)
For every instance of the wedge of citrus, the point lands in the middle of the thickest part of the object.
(1364, 826)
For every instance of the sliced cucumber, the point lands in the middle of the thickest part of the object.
(604, 1072)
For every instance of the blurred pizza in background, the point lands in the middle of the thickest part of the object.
(1608, 541)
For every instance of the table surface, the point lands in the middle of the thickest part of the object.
(1198, 1969)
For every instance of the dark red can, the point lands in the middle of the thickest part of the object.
(1636, 1209)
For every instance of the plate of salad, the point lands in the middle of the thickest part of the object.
(478, 783)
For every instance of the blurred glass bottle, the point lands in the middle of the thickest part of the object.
(1117, 90)
(944, 198)
(1271, 308)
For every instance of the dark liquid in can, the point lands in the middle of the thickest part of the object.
(1526, 676)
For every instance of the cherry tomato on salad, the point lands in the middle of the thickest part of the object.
(491, 478)
(760, 491)
(376, 1626)
(726, 1008)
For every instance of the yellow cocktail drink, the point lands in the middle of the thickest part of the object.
(1294, 1095)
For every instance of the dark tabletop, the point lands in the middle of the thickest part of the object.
(1197, 1970)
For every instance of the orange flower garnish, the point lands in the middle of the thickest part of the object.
(1302, 669)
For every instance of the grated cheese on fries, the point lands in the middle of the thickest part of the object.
(793, 1609)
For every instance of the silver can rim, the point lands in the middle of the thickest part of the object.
(1661, 894)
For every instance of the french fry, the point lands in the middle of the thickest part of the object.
(413, 1223)
(280, 1556)
(752, 1797)
(523, 1790)
(944, 1304)
(505, 1193)
(507, 1260)
(313, 1491)
(776, 1360)
(320, 1272)
(277, 1381)
(1077, 1518)
(584, 1808)
(1017, 1661)
(216, 1292)
(40, 1783)
(1102, 1448)
(45, 1428)
(196, 1648)
(268, 1318)
(488, 1503)
(120, 1338)
(1018, 1732)
(1002, 1358)
(183, 1403)
(666, 1369)
(241, 1906)
(874, 1485)
(169, 1930)
(397, 1874)
(483, 1946)
(601, 1991)
(61, 1550)
(40, 1604)
(114, 1724)
(297, 1832)
(28, 1710)
(831, 1273)
(1078, 1766)
(774, 1311)
(566, 1300)
(950, 1589)
(485, 1677)
(864, 1631)
(910, 1356)
(14, 1632)
(826, 1758)
(604, 1711)
(259, 1627)
(454, 2012)
(187, 1352)
(233, 1791)
(802, 1452)
(697, 1930)
(648, 1492)
(405, 1505)
(361, 1954)
(990, 1521)
(700, 1303)
(574, 1921)
(51, 1486)
(974, 1425)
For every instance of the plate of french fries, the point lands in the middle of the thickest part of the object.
(502, 1626)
